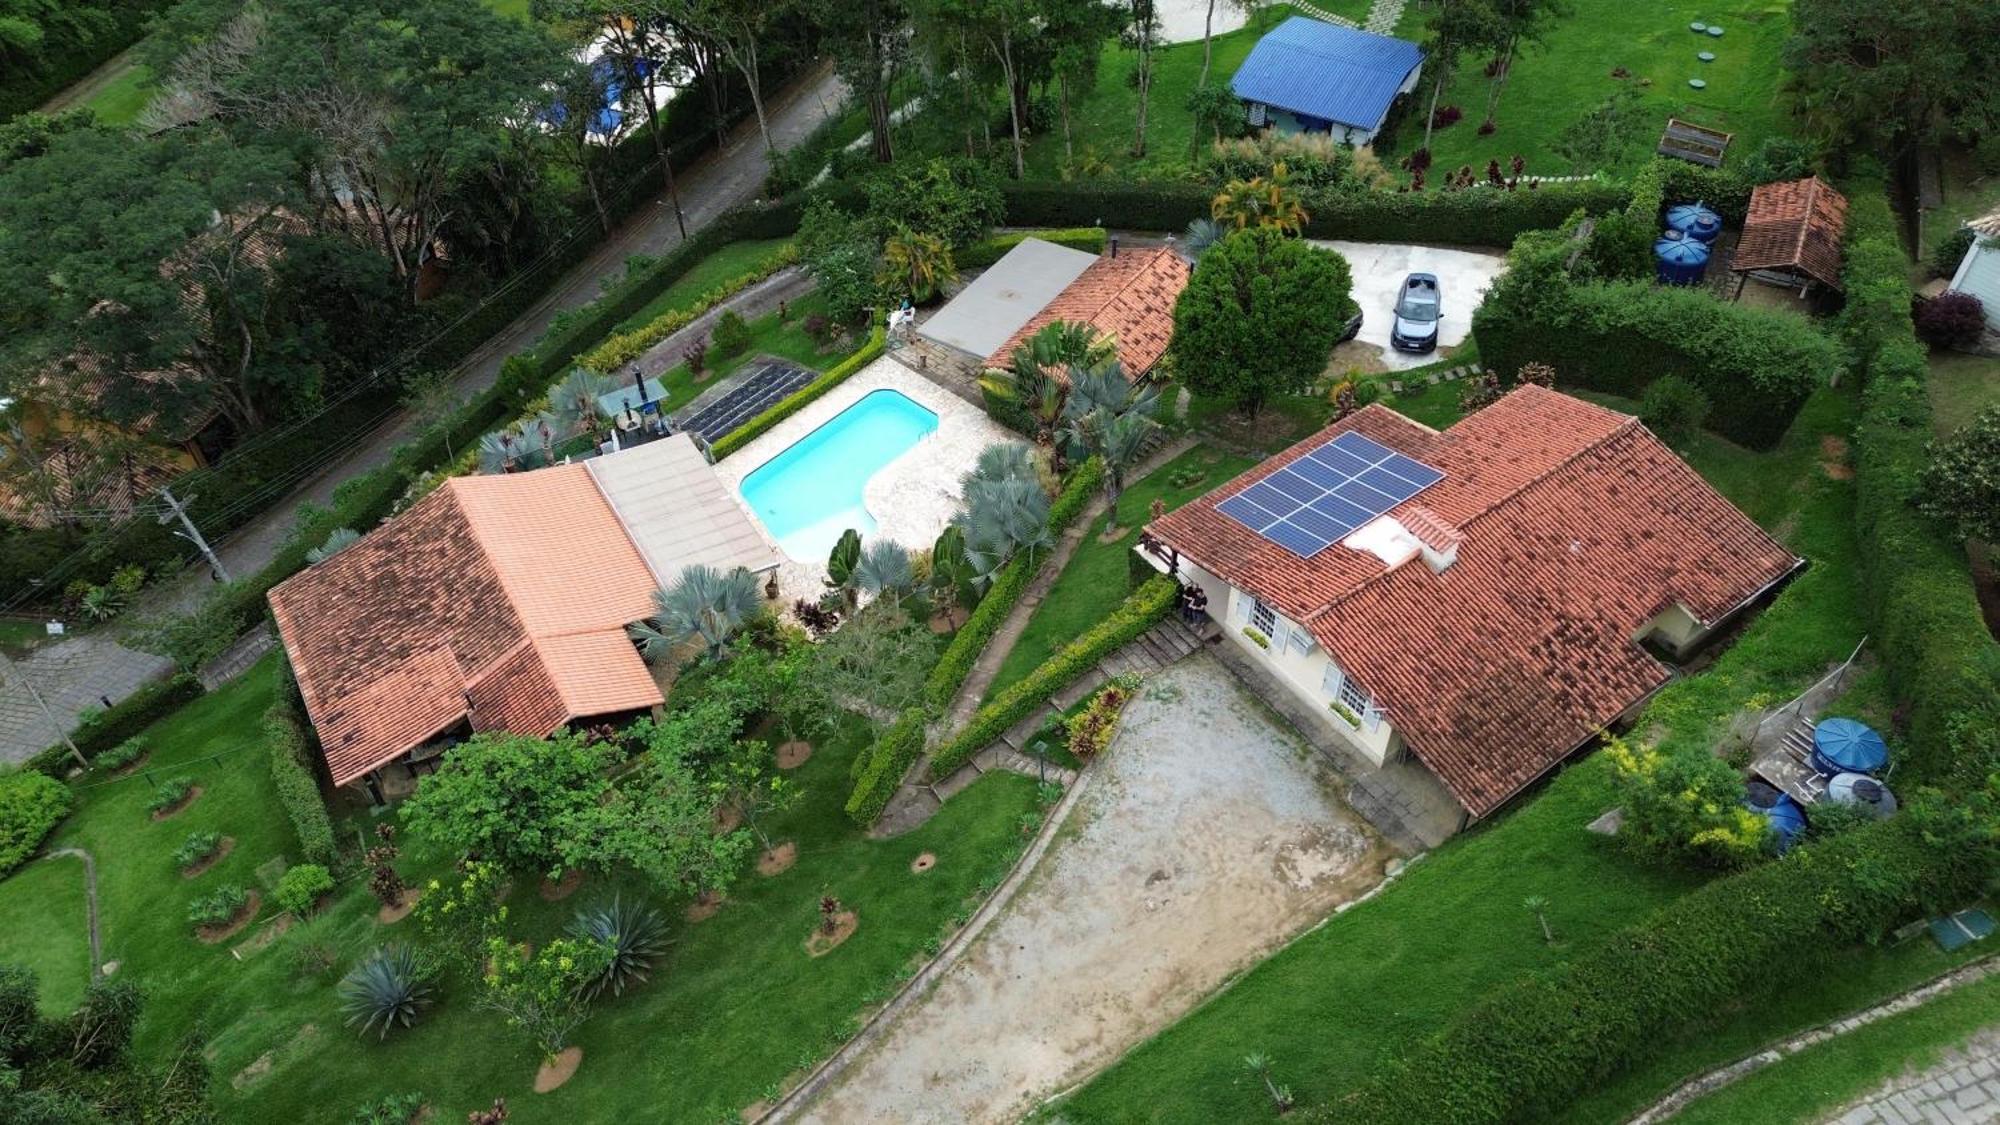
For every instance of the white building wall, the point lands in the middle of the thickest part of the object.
(1979, 274)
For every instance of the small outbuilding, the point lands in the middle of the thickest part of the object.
(1978, 272)
(983, 315)
(1791, 235)
(1308, 76)
(1127, 296)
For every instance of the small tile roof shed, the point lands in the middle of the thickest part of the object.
(1322, 70)
(498, 599)
(1794, 225)
(1126, 295)
(1576, 527)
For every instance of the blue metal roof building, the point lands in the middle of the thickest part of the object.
(1309, 76)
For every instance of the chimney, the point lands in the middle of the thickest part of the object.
(1114, 246)
(1437, 540)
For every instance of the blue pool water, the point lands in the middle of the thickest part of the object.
(810, 493)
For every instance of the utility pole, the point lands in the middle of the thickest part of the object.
(190, 533)
(13, 672)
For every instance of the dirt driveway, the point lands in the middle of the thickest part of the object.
(1209, 836)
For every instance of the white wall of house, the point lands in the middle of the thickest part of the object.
(1285, 121)
(1979, 274)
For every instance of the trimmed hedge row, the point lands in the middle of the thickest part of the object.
(885, 764)
(624, 347)
(31, 805)
(1139, 612)
(1531, 1046)
(1925, 616)
(101, 730)
(798, 400)
(987, 251)
(298, 787)
(973, 637)
(1476, 216)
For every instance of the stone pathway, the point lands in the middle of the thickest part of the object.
(1383, 16)
(89, 902)
(238, 658)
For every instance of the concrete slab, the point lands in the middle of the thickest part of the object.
(1379, 269)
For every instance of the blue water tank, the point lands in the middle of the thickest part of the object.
(1680, 260)
(1787, 819)
(1695, 221)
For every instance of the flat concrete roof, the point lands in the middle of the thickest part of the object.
(1009, 294)
(677, 511)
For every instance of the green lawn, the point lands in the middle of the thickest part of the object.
(736, 1006)
(45, 918)
(768, 336)
(1345, 997)
(1095, 580)
(1557, 82)
(1968, 194)
(121, 99)
(1961, 386)
(18, 635)
(732, 261)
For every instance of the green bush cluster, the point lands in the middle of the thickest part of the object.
(218, 906)
(1529, 1048)
(297, 785)
(798, 400)
(1756, 367)
(31, 805)
(1136, 614)
(880, 770)
(972, 637)
(624, 347)
(197, 847)
(986, 251)
(300, 887)
(1925, 617)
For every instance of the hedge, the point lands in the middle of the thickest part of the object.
(99, 731)
(298, 788)
(1528, 1048)
(972, 637)
(61, 62)
(987, 251)
(624, 347)
(1479, 216)
(1925, 618)
(798, 400)
(31, 805)
(887, 761)
(1139, 612)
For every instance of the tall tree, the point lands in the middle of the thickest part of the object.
(1078, 29)
(1140, 33)
(1891, 75)
(737, 28)
(1456, 27)
(1518, 22)
(1259, 317)
(867, 42)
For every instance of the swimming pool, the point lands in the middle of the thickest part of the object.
(810, 493)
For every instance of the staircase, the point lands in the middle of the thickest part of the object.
(1155, 649)
(1322, 15)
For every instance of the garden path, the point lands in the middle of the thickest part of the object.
(1383, 16)
(1200, 840)
(89, 903)
(1963, 1088)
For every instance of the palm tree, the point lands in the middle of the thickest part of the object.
(338, 540)
(501, 451)
(1120, 443)
(1264, 201)
(1005, 460)
(576, 400)
(1200, 235)
(1111, 418)
(918, 262)
(1001, 519)
(703, 602)
(1041, 367)
(884, 569)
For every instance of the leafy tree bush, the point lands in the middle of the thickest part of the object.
(1950, 251)
(460, 918)
(528, 804)
(31, 805)
(300, 888)
(544, 994)
(732, 333)
(1780, 158)
(1962, 483)
(297, 785)
(1259, 317)
(952, 198)
(1950, 319)
(1673, 407)
(1685, 807)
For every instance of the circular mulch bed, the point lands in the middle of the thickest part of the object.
(223, 931)
(562, 889)
(178, 806)
(220, 853)
(778, 860)
(726, 818)
(132, 767)
(923, 863)
(793, 754)
(821, 941)
(390, 915)
(558, 1070)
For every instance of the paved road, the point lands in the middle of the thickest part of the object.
(74, 672)
(1964, 1087)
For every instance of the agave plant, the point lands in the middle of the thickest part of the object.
(338, 540)
(386, 990)
(633, 932)
(884, 569)
(703, 602)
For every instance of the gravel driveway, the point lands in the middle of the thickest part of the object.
(1379, 269)
(1209, 837)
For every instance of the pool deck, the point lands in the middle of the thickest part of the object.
(914, 496)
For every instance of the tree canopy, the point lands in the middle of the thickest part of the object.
(1889, 75)
(1259, 317)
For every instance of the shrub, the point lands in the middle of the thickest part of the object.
(732, 333)
(1685, 806)
(1090, 729)
(386, 990)
(297, 785)
(987, 251)
(31, 805)
(1780, 158)
(798, 400)
(695, 355)
(218, 906)
(396, 1109)
(300, 888)
(1446, 116)
(123, 754)
(1673, 407)
(633, 932)
(1952, 319)
(1961, 485)
(888, 760)
(1313, 161)
(169, 794)
(955, 198)
(1950, 251)
(197, 847)
(1136, 614)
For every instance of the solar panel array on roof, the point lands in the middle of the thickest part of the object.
(1320, 498)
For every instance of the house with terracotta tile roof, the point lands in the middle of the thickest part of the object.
(1128, 297)
(501, 603)
(1791, 234)
(1484, 599)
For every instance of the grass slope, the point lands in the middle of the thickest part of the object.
(731, 261)
(1960, 387)
(43, 914)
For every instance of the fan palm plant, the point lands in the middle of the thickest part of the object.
(1110, 418)
(1200, 235)
(577, 400)
(387, 990)
(1001, 519)
(501, 451)
(884, 569)
(703, 602)
(634, 934)
(338, 540)
(1041, 366)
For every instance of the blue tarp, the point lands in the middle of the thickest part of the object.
(1846, 746)
(1320, 70)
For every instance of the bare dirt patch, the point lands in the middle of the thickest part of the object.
(779, 859)
(220, 853)
(1152, 917)
(705, 906)
(823, 941)
(791, 755)
(390, 915)
(755, 1111)
(223, 931)
(261, 1069)
(1833, 458)
(553, 1073)
(177, 807)
(950, 620)
(727, 819)
(270, 932)
(923, 863)
(557, 891)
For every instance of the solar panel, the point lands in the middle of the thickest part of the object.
(757, 392)
(1320, 498)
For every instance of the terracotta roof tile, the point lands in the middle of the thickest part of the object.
(1578, 528)
(1794, 225)
(1129, 297)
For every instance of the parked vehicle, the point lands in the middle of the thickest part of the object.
(1353, 328)
(1417, 313)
